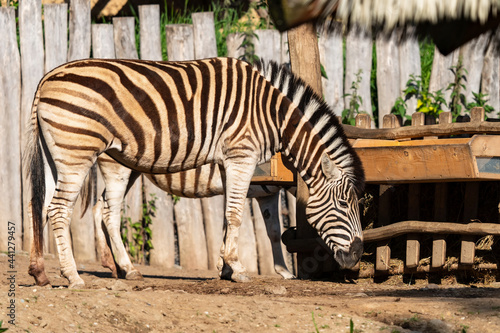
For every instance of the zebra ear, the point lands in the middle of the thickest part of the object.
(329, 168)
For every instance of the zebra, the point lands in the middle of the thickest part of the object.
(166, 117)
(204, 181)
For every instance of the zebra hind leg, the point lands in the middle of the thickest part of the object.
(118, 180)
(107, 260)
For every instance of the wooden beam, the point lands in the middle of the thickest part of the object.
(397, 229)
(409, 132)
(304, 58)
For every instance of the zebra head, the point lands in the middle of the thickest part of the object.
(333, 210)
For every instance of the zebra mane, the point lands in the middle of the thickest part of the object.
(320, 115)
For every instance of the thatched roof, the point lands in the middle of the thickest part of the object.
(449, 22)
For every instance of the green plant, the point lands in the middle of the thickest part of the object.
(349, 114)
(458, 100)
(479, 100)
(399, 109)
(427, 102)
(2, 329)
(138, 240)
(314, 323)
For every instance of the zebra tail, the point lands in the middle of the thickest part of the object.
(88, 189)
(36, 173)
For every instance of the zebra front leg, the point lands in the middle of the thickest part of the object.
(107, 259)
(238, 174)
(269, 207)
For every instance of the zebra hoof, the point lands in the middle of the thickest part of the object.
(239, 277)
(77, 285)
(134, 275)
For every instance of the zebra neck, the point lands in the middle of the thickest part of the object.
(303, 147)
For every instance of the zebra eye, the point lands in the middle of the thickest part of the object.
(343, 204)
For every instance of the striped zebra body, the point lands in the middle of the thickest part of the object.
(165, 117)
(202, 182)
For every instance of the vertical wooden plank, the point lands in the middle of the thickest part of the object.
(490, 77)
(363, 120)
(56, 52)
(247, 246)
(233, 42)
(413, 240)
(285, 56)
(10, 154)
(103, 46)
(32, 70)
(268, 45)
(409, 63)
(471, 199)
(163, 238)
(266, 262)
(441, 76)
(125, 48)
(180, 46)
(124, 36)
(331, 53)
(473, 57)
(56, 35)
(438, 258)
(150, 35)
(388, 75)
(79, 48)
(162, 228)
(180, 42)
(304, 57)
(291, 205)
(79, 30)
(191, 234)
(213, 219)
(205, 44)
(358, 57)
(383, 251)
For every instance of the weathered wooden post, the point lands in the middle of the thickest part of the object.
(162, 227)
(205, 46)
(441, 76)
(32, 70)
(266, 262)
(10, 123)
(188, 212)
(383, 251)
(79, 30)
(103, 46)
(359, 49)
(440, 211)
(56, 53)
(268, 45)
(409, 63)
(490, 77)
(413, 240)
(304, 57)
(468, 245)
(473, 57)
(388, 74)
(125, 48)
(332, 54)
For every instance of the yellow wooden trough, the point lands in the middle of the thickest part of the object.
(393, 161)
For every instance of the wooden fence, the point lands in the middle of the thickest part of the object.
(197, 223)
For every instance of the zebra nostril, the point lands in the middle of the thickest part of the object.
(356, 247)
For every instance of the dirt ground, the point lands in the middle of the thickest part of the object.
(176, 300)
